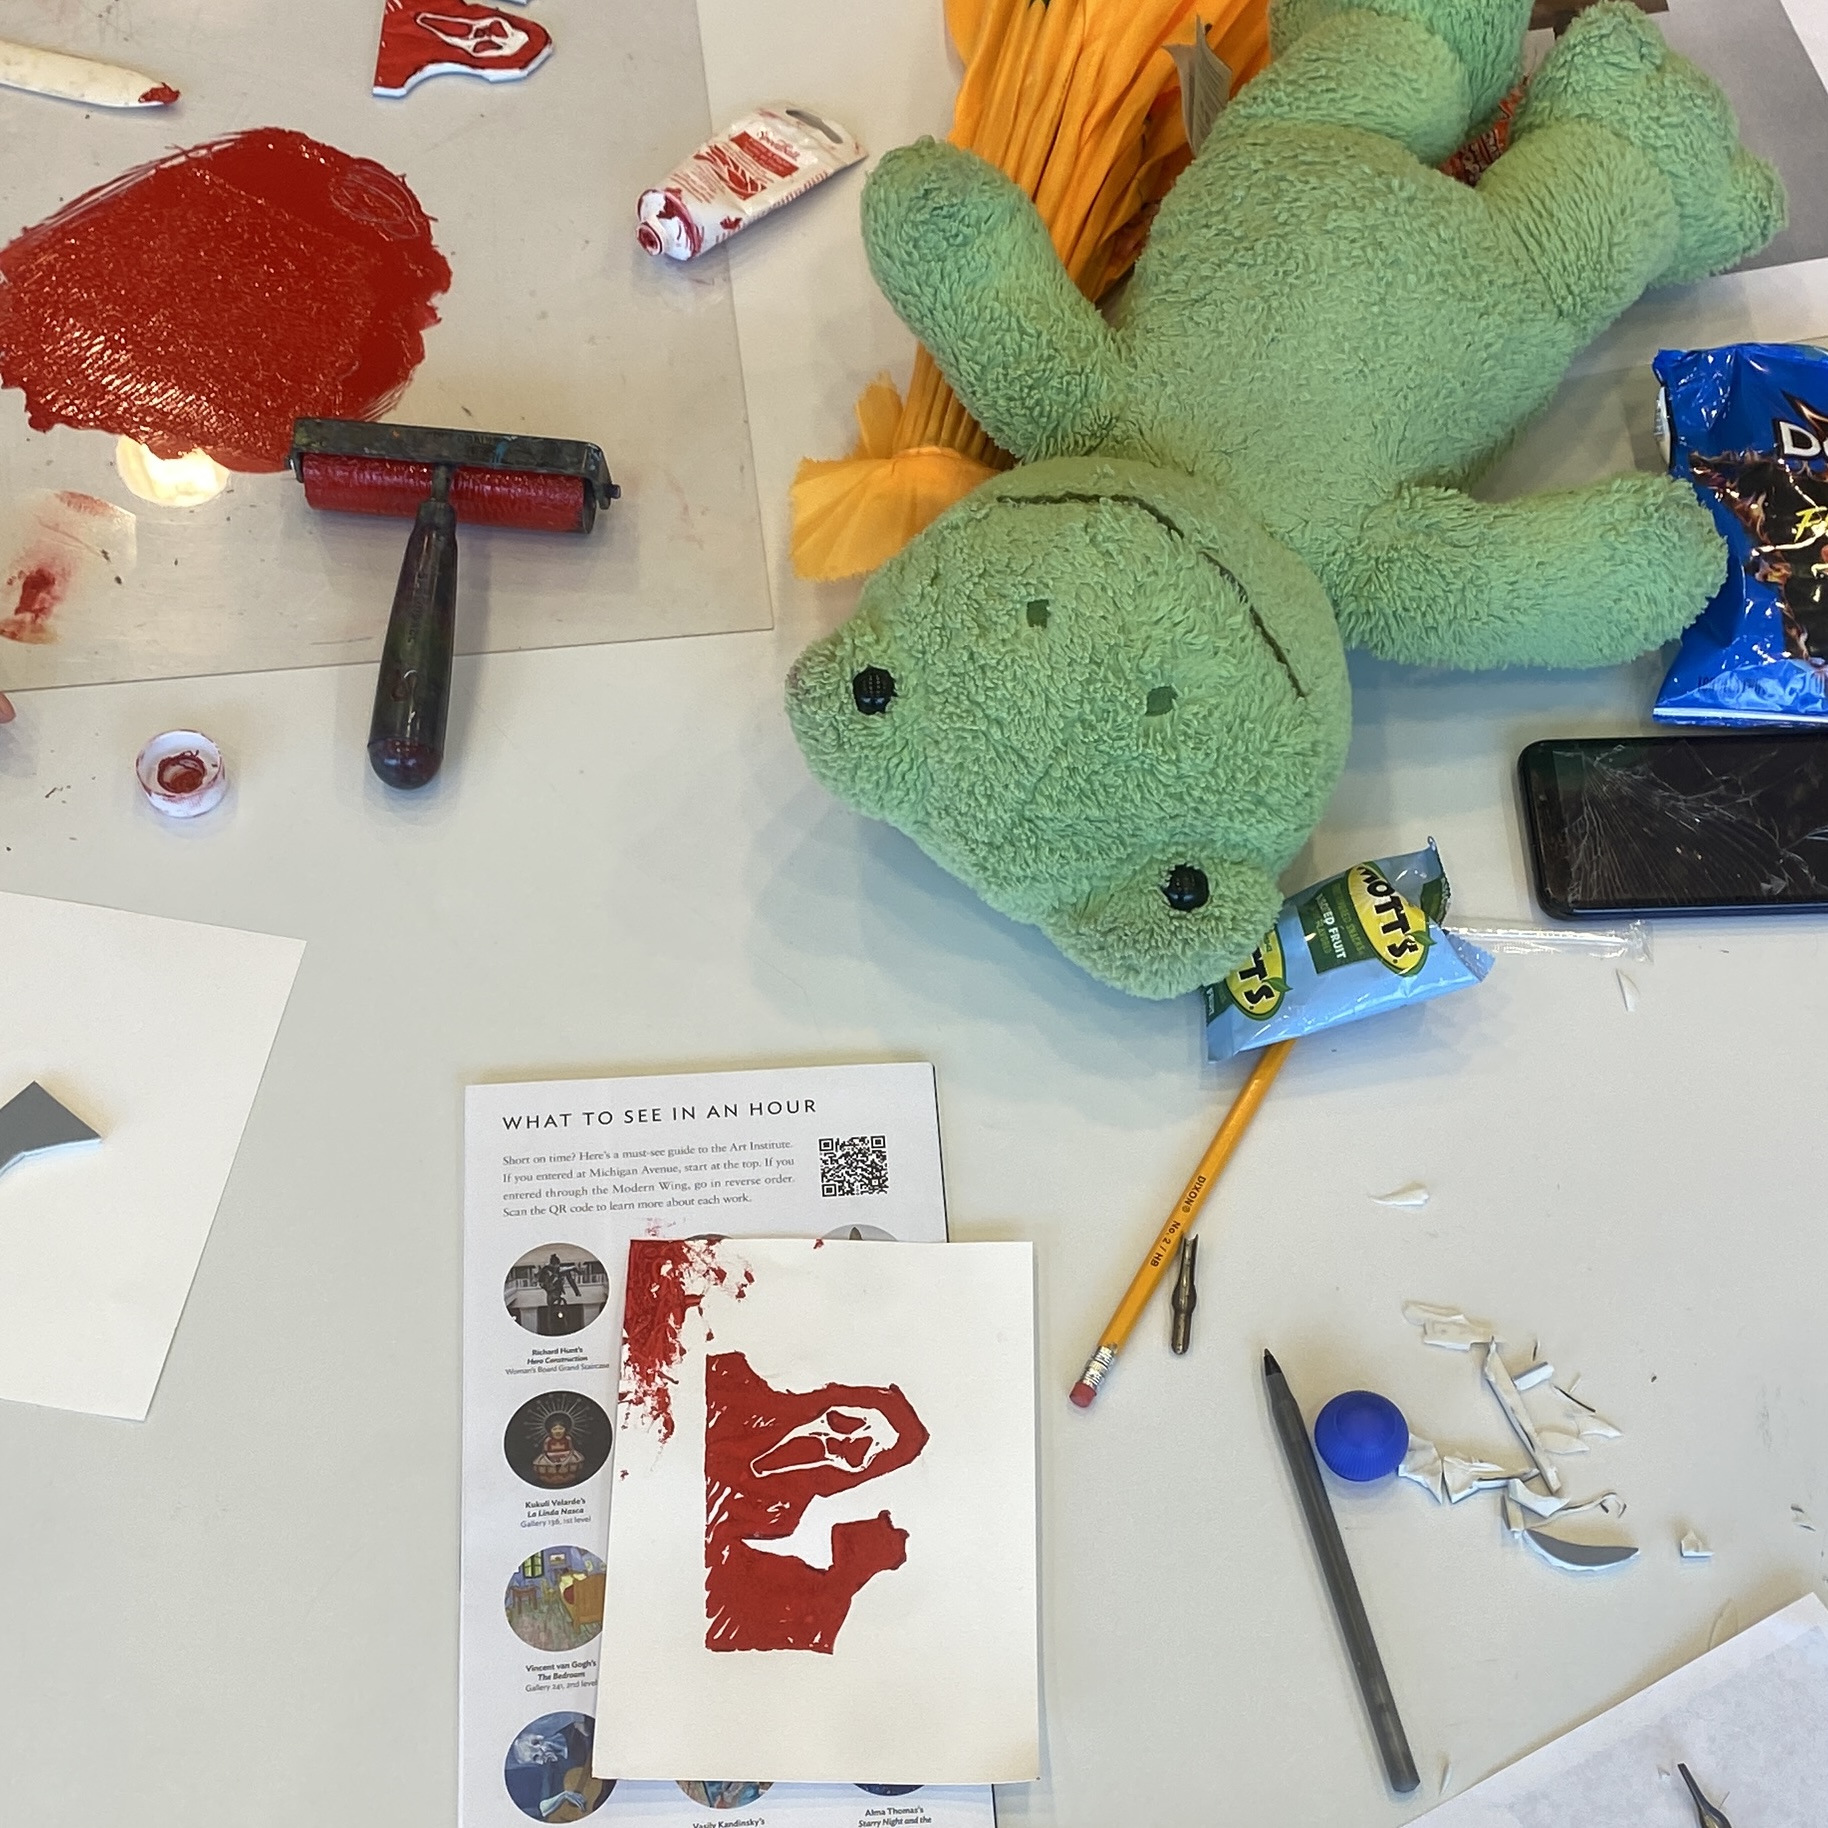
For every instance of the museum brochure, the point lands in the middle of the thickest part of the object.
(559, 1177)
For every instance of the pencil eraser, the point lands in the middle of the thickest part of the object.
(1082, 1394)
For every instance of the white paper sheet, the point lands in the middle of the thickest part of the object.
(156, 1033)
(1749, 1719)
(584, 1166)
(822, 1542)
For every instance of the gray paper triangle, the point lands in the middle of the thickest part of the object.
(34, 1122)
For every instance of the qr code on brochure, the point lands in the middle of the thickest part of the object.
(850, 1165)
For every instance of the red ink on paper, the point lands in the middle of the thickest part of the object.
(768, 1454)
(454, 38)
(41, 585)
(208, 300)
(161, 93)
(667, 1280)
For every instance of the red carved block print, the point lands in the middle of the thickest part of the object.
(768, 1454)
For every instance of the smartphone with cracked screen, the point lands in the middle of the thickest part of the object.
(1678, 824)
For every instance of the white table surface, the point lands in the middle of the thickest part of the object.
(244, 1610)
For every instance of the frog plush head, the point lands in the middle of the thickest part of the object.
(1129, 782)
(1108, 689)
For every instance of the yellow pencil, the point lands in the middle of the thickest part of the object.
(1212, 1163)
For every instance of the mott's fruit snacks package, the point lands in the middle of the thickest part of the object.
(1366, 940)
(1746, 425)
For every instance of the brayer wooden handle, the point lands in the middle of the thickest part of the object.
(412, 697)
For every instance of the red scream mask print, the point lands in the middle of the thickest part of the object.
(768, 1454)
(451, 37)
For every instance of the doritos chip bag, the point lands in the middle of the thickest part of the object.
(1747, 425)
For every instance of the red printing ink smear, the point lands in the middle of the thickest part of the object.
(40, 589)
(768, 1454)
(64, 538)
(160, 92)
(209, 299)
(667, 1279)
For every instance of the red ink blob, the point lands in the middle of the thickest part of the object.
(41, 587)
(162, 93)
(182, 773)
(768, 1454)
(208, 300)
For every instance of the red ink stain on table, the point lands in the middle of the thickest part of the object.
(209, 299)
(768, 1454)
(41, 587)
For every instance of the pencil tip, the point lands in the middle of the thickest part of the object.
(1270, 1367)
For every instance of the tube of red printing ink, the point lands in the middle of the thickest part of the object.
(766, 159)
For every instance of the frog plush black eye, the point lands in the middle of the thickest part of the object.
(1186, 888)
(872, 689)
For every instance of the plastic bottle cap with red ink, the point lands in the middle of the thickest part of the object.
(181, 773)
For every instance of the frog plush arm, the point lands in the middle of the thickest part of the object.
(1578, 577)
(965, 259)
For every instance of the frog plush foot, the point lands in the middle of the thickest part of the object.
(1612, 74)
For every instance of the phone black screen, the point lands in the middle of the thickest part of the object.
(1649, 825)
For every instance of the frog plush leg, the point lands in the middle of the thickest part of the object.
(1416, 71)
(965, 259)
(1578, 577)
(1131, 934)
(1626, 169)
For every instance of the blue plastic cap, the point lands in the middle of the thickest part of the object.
(1361, 1436)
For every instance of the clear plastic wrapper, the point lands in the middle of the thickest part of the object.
(1364, 941)
(1632, 940)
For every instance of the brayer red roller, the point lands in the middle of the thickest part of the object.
(438, 479)
(481, 498)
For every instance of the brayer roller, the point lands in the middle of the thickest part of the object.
(437, 478)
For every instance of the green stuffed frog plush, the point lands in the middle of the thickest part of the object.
(1108, 689)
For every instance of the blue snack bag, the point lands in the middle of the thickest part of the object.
(1366, 940)
(1747, 425)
